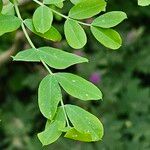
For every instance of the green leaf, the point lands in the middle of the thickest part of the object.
(8, 9)
(75, 1)
(78, 87)
(1, 5)
(109, 19)
(51, 34)
(49, 95)
(52, 1)
(59, 59)
(85, 122)
(52, 131)
(108, 37)
(87, 8)
(143, 2)
(75, 34)
(30, 55)
(8, 23)
(42, 19)
(76, 135)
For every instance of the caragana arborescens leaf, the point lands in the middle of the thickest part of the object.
(30, 55)
(75, 35)
(42, 19)
(76, 135)
(8, 9)
(86, 9)
(51, 34)
(85, 122)
(59, 59)
(143, 2)
(109, 19)
(78, 87)
(49, 95)
(53, 130)
(108, 37)
(8, 23)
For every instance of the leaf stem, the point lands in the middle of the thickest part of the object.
(63, 106)
(45, 65)
(62, 15)
(23, 27)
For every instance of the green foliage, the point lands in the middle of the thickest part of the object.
(60, 117)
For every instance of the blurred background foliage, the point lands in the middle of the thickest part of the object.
(122, 75)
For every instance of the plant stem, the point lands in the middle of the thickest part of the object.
(63, 106)
(62, 15)
(23, 27)
(45, 65)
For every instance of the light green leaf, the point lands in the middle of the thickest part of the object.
(53, 1)
(42, 19)
(59, 59)
(143, 2)
(76, 135)
(108, 37)
(51, 34)
(30, 55)
(8, 9)
(78, 87)
(75, 1)
(87, 8)
(109, 19)
(75, 34)
(8, 23)
(85, 122)
(52, 132)
(49, 95)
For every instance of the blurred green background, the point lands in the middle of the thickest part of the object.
(122, 75)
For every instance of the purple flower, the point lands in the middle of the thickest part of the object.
(95, 78)
(79, 53)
